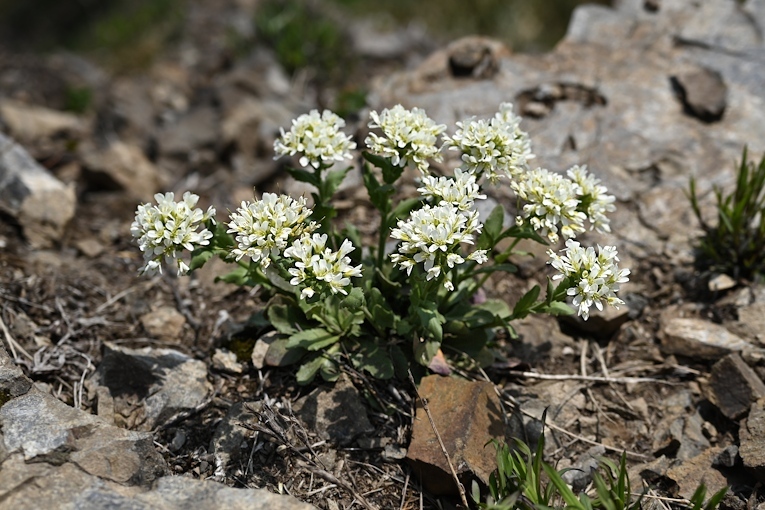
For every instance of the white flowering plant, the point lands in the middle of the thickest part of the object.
(416, 289)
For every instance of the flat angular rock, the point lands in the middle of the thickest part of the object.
(68, 487)
(151, 386)
(195, 130)
(164, 323)
(179, 493)
(467, 415)
(703, 94)
(40, 428)
(734, 386)
(13, 382)
(336, 414)
(41, 204)
(230, 440)
(122, 166)
(697, 338)
(689, 474)
(752, 436)
(31, 123)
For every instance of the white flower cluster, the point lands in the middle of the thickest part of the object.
(318, 139)
(319, 267)
(555, 203)
(595, 278)
(550, 200)
(461, 191)
(407, 135)
(167, 228)
(265, 227)
(593, 197)
(495, 147)
(433, 235)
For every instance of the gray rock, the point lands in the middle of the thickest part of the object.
(734, 386)
(580, 474)
(626, 123)
(699, 338)
(752, 436)
(703, 93)
(41, 204)
(195, 130)
(336, 414)
(41, 428)
(66, 487)
(151, 386)
(179, 493)
(728, 457)
(13, 382)
(231, 441)
(226, 361)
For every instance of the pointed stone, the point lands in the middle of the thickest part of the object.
(468, 415)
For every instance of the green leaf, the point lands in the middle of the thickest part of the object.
(312, 339)
(424, 349)
(332, 181)
(492, 228)
(558, 308)
(329, 370)
(403, 209)
(304, 176)
(354, 300)
(238, 276)
(379, 194)
(285, 318)
(374, 358)
(523, 305)
(200, 257)
(308, 370)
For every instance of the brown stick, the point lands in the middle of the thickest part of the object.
(460, 487)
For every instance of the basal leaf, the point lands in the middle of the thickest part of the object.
(312, 339)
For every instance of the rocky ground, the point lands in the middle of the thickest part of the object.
(122, 392)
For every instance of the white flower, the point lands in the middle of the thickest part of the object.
(593, 197)
(432, 235)
(494, 147)
(264, 228)
(318, 139)
(318, 267)
(166, 229)
(595, 278)
(460, 191)
(551, 203)
(407, 135)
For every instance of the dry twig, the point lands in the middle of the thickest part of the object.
(589, 378)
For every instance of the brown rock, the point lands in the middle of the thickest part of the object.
(690, 474)
(467, 415)
(752, 436)
(165, 323)
(699, 338)
(734, 386)
(30, 123)
(703, 93)
(122, 166)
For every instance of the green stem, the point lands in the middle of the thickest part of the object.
(382, 236)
